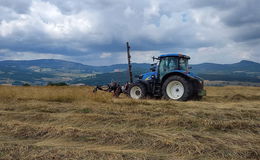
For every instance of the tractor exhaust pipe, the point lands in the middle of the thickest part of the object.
(129, 63)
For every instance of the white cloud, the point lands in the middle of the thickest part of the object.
(90, 28)
(10, 55)
(46, 18)
(129, 12)
(105, 55)
(230, 53)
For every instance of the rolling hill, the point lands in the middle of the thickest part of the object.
(40, 72)
(243, 66)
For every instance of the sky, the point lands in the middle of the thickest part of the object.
(95, 32)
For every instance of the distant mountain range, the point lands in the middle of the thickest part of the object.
(40, 72)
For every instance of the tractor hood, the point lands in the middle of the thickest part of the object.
(147, 76)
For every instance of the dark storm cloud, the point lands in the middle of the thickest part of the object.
(219, 4)
(19, 6)
(85, 28)
(245, 18)
(241, 15)
(247, 33)
(244, 13)
(233, 12)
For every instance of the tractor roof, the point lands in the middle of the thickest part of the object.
(174, 55)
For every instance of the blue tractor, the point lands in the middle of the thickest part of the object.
(169, 78)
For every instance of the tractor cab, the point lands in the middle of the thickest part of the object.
(172, 62)
(166, 64)
(169, 78)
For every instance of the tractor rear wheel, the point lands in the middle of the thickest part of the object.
(176, 88)
(137, 91)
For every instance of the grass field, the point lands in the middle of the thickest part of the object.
(74, 123)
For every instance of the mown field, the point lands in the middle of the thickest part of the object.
(73, 123)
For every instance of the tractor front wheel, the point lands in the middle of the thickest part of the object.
(137, 91)
(176, 88)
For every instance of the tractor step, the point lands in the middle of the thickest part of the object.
(157, 89)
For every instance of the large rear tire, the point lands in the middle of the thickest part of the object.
(176, 88)
(137, 91)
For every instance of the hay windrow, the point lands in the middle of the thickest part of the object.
(74, 123)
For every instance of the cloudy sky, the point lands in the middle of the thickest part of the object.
(95, 31)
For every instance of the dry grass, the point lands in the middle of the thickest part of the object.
(74, 123)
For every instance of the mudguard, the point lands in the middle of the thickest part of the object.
(185, 74)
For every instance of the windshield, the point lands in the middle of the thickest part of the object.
(183, 64)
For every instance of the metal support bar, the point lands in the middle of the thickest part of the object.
(129, 63)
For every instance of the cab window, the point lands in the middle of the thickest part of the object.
(183, 64)
(168, 64)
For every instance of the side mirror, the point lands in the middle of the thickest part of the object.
(155, 58)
